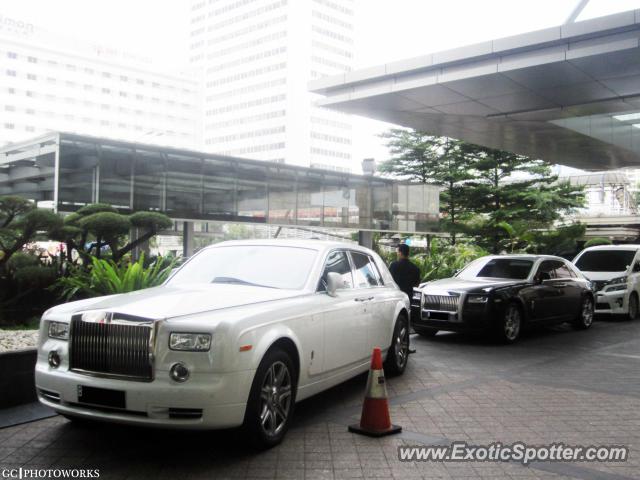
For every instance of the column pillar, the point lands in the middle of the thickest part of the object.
(187, 239)
(365, 239)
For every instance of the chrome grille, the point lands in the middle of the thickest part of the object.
(444, 303)
(118, 349)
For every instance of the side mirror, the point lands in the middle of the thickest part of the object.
(636, 267)
(333, 283)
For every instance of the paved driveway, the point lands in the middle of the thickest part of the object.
(556, 385)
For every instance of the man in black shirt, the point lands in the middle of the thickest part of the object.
(405, 273)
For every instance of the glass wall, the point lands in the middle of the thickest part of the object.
(197, 186)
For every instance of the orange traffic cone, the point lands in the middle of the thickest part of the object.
(375, 420)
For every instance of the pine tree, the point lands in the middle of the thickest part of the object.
(440, 161)
(485, 192)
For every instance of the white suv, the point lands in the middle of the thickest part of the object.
(614, 271)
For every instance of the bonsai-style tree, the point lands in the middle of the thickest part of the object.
(98, 225)
(20, 223)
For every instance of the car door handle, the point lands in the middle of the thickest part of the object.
(363, 299)
(559, 284)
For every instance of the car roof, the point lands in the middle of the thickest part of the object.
(314, 244)
(527, 256)
(612, 247)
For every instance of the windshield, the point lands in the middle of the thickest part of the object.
(254, 265)
(605, 260)
(511, 268)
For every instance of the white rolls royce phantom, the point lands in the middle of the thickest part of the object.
(234, 337)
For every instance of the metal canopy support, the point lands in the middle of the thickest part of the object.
(575, 13)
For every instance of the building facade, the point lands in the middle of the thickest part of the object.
(52, 83)
(256, 58)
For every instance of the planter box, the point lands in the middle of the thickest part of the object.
(17, 382)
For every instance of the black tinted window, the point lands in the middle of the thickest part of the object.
(506, 268)
(605, 260)
(550, 269)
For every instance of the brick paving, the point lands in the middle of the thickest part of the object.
(556, 385)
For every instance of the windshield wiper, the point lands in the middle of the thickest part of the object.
(238, 281)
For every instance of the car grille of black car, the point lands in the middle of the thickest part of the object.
(113, 349)
(444, 303)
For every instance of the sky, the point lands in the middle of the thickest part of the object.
(385, 30)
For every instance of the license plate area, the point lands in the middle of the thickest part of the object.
(102, 397)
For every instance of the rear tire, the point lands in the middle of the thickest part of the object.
(271, 401)
(585, 317)
(398, 353)
(426, 331)
(510, 326)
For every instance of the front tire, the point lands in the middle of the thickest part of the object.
(585, 318)
(271, 401)
(634, 308)
(511, 324)
(398, 353)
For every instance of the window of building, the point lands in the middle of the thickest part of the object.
(106, 90)
(29, 93)
(139, 81)
(32, 60)
(9, 126)
(11, 73)
(123, 94)
(71, 68)
(124, 78)
(89, 71)
(104, 122)
(30, 129)
(106, 74)
(10, 108)
(30, 111)
(139, 97)
(13, 55)
(11, 91)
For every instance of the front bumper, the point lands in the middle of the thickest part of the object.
(211, 400)
(471, 321)
(614, 302)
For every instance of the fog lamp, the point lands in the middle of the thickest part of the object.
(54, 359)
(179, 372)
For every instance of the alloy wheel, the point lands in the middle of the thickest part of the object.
(587, 312)
(275, 396)
(512, 323)
(401, 346)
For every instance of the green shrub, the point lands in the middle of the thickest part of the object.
(444, 260)
(597, 241)
(105, 277)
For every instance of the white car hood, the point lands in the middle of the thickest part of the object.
(174, 301)
(603, 276)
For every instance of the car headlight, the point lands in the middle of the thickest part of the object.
(478, 299)
(619, 281)
(59, 330)
(417, 295)
(190, 342)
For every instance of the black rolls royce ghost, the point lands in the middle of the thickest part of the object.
(504, 294)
